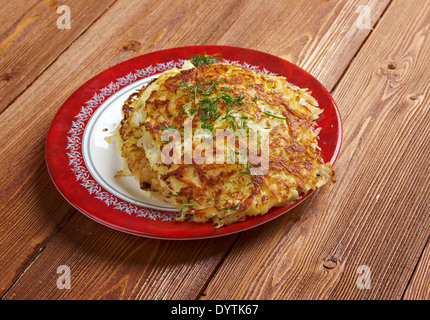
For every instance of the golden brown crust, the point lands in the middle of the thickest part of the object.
(235, 98)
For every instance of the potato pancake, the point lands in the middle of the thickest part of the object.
(221, 142)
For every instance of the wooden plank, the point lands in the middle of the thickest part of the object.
(98, 48)
(418, 288)
(374, 221)
(317, 36)
(32, 42)
(108, 264)
(29, 221)
(11, 15)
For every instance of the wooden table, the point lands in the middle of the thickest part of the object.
(364, 237)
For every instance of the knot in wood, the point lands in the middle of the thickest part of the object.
(392, 65)
(132, 45)
(7, 76)
(330, 264)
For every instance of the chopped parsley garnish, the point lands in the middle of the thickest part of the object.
(212, 99)
(205, 100)
(247, 169)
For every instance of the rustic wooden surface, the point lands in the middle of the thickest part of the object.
(375, 215)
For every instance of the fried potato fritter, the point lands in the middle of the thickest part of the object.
(175, 141)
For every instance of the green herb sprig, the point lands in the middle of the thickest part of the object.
(199, 60)
(163, 126)
(204, 100)
(232, 208)
(274, 115)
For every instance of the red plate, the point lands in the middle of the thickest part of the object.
(72, 170)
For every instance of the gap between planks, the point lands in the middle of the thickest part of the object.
(361, 46)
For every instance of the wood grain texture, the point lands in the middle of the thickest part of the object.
(374, 215)
(312, 34)
(28, 222)
(12, 16)
(418, 288)
(110, 264)
(33, 41)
